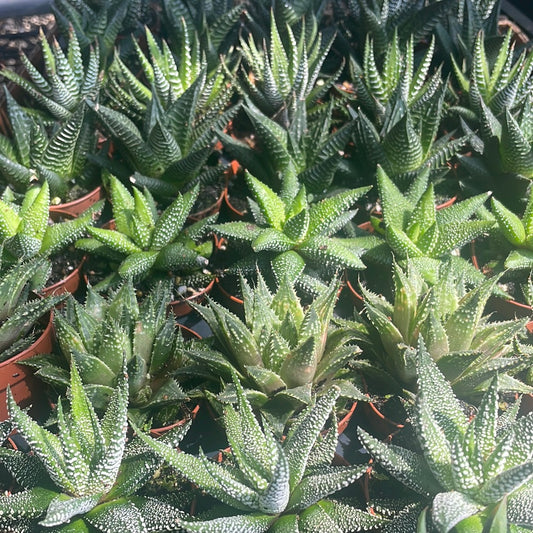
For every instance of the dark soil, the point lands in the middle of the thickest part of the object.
(63, 265)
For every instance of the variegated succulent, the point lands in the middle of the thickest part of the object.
(475, 474)
(58, 157)
(100, 22)
(85, 477)
(379, 83)
(170, 153)
(413, 227)
(503, 85)
(168, 76)
(287, 75)
(26, 230)
(19, 312)
(146, 240)
(466, 345)
(282, 351)
(98, 335)
(310, 147)
(296, 236)
(67, 80)
(266, 485)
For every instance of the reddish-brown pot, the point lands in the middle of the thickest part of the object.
(25, 388)
(183, 307)
(78, 206)
(68, 284)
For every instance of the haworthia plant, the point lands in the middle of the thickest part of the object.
(378, 88)
(288, 74)
(266, 485)
(502, 84)
(467, 347)
(67, 80)
(26, 231)
(308, 148)
(167, 75)
(295, 235)
(413, 227)
(19, 313)
(100, 333)
(282, 351)
(168, 154)
(145, 240)
(475, 474)
(100, 22)
(518, 232)
(59, 157)
(85, 477)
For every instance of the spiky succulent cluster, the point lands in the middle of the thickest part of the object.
(98, 335)
(100, 22)
(503, 85)
(267, 485)
(25, 230)
(472, 473)
(413, 226)
(19, 312)
(86, 476)
(34, 153)
(459, 336)
(285, 77)
(282, 350)
(67, 80)
(146, 240)
(292, 233)
(163, 75)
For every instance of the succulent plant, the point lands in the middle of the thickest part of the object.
(282, 351)
(408, 140)
(25, 230)
(518, 232)
(467, 347)
(378, 88)
(163, 75)
(59, 158)
(505, 84)
(473, 473)
(19, 313)
(146, 241)
(456, 34)
(273, 486)
(86, 476)
(67, 80)
(294, 234)
(413, 227)
(169, 154)
(381, 19)
(502, 158)
(214, 23)
(98, 21)
(308, 148)
(287, 75)
(97, 335)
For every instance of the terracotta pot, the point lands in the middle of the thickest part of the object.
(158, 432)
(345, 420)
(25, 388)
(68, 284)
(183, 307)
(380, 426)
(79, 205)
